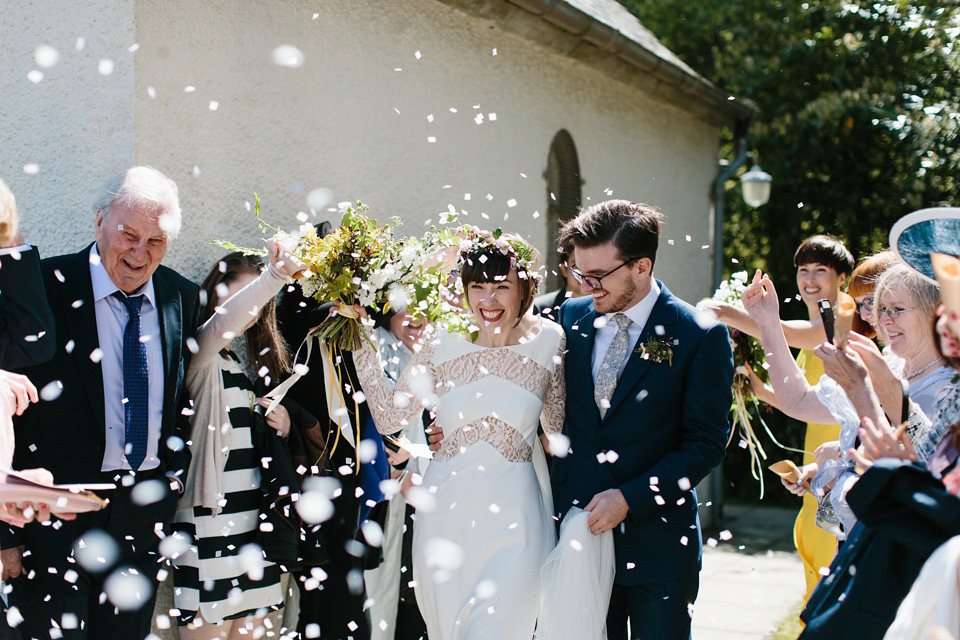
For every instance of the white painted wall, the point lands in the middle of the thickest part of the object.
(332, 123)
(76, 125)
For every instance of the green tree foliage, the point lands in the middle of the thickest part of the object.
(859, 124)
(860, 113)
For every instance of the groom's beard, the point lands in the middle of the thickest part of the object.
(614, 302)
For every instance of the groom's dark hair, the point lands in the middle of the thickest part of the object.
(633, 228)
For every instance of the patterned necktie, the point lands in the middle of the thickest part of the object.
(610, 367)
(135, 385)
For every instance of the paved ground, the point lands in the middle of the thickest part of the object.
(750, 582)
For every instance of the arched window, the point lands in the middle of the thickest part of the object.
(563, 197)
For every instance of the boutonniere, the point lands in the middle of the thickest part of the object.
(658, 350)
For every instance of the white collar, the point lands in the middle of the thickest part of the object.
(103, 286)
(640, 312)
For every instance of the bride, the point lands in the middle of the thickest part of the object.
(479, 548)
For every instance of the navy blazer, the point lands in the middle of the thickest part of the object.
(904, 515)
(668, 424)
(67, 434)
(26, 325)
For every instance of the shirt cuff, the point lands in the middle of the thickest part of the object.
(12, 250)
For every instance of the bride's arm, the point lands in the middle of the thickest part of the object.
(554, 403)
(393, 408)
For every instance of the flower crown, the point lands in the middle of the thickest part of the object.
(524, 258)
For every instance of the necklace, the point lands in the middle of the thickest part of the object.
(922, 369)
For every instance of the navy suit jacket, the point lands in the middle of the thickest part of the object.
(26, 325)
(667, 423)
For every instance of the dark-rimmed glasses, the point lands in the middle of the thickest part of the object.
(891, 312)
(594, 281)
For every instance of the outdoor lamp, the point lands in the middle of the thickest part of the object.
(756, 186)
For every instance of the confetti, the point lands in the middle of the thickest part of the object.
(46, 56)
(127, 589)
(105, 67)
(287, 55)
(31, 169)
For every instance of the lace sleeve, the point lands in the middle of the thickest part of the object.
(394, 408)
(554, 403)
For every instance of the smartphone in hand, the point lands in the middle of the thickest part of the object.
(826, 315)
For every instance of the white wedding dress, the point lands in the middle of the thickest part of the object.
(483, 525)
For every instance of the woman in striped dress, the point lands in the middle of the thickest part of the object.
(223, 585)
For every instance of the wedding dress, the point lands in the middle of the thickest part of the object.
(577, 581)
(483, 525)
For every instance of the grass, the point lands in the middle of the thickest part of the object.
(790, 627)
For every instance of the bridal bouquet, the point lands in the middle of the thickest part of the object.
(361, 262)
(747, 352)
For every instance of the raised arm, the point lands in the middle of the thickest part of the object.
(233, 315)
(554, 404)
(795, 397)
(393, 408)
(800, 334)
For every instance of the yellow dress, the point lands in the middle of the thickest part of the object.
(815, 546)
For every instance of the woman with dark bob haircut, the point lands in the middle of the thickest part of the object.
(479, 545)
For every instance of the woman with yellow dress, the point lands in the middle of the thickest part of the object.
(823, 264)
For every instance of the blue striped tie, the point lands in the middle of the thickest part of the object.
(135, 384)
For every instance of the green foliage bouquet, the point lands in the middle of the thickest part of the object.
(361, 262)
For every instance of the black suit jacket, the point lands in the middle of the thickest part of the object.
(26, 324)
(668, 424)
(298, 316)
(67, 434)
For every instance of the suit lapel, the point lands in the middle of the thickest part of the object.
(170, 312)
(76, 296)
(662, 315)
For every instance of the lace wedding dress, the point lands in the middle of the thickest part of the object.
(484, 528)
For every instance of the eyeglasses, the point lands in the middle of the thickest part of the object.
(594, 281)
(865, 305)
(891, 312)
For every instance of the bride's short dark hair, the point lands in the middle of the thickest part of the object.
(491, 265)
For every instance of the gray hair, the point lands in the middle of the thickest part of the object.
(143, 187)
(923, 292)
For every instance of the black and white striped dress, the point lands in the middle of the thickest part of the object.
(221, 577)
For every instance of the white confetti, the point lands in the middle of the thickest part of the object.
(127, 589)
(149, 492)
(214, 105)
(46, 56)
(95, 551)
(319, 198)
(105, 67)
(366, 451)
(31, 169)
(35, 76)
(287, 55)
(51, 391)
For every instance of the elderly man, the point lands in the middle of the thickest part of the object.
(122, 324)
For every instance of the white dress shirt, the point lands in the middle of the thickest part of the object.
(638, 314)
(111, 321)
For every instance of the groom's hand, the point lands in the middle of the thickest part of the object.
(434, 436)
(607, 510)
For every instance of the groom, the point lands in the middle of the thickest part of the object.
(648, 395)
